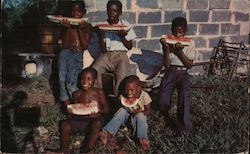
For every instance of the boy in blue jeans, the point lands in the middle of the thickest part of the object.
(114, 46)
(177, 60)
(75, 41)
(139, 116)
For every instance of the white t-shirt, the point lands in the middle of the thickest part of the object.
(189, 51)
(113, 41)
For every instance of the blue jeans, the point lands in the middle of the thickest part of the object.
(121, 116)
(69, 66)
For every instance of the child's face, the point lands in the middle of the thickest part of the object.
(179, 31)
(77, 11)
(132, 90)
(87, 80)
(113, 13)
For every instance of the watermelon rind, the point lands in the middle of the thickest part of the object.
(113, 28)
(72, 21)
(123, 102)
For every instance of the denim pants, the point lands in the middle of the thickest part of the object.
(69, 66)
(121, 116)
(181, 81)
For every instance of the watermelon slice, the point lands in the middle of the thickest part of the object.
(83, 108)
(129, 102)
(72, 21)
(171, 39)
(114, 27)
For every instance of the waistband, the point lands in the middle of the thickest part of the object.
(178, 68)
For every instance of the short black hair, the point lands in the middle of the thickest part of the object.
(132, 79)
(89, 70)
(79, 3)
(115, 2)
(179, 21)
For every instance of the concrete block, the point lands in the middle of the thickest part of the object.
(244, 38)
(101, 5)
(213, 42)
(129, 16)
(200, 42)
(192, 29)
(241, 16)
(244, 28)
(221, 15)
(242, 5)
(209, 29)
(141, 31)
(197, 4)
(152, 44)
(230, 29)
(90, 4)
(149, 17)
(98, 16)
(203, 55)
(170, 15)
(198, 16)
(176, 4)
(152, 4)
(219, 4)
(159, 30)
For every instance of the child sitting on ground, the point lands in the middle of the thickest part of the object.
(89, 124)
(139, 114)
(178, 59)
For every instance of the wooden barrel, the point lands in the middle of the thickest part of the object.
(49, 35)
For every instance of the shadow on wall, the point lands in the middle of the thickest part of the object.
(149, 62)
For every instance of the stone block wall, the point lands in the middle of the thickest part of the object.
(208, 21)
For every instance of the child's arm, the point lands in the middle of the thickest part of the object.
(101, 35)
(147, 110)
(165, 48)
(85, 29)
(104, 107)
(66, 27)
(127, 44)
(177, 48)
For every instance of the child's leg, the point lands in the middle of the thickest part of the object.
(142, 130)
(183, 101)
(166, 90)
(119, 118)
(92, 136)
(67, 130)
(141, 125)
(101, 66)
(121, 70)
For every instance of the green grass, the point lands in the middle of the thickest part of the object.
(219, 123)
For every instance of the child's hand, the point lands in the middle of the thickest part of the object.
(177, 48)
(69, 110)
(93, 114)
(65, 23)
(163, 41)
(135, 111)
(83, 24)
(99, 31)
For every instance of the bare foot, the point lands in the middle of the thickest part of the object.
(145, 144)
